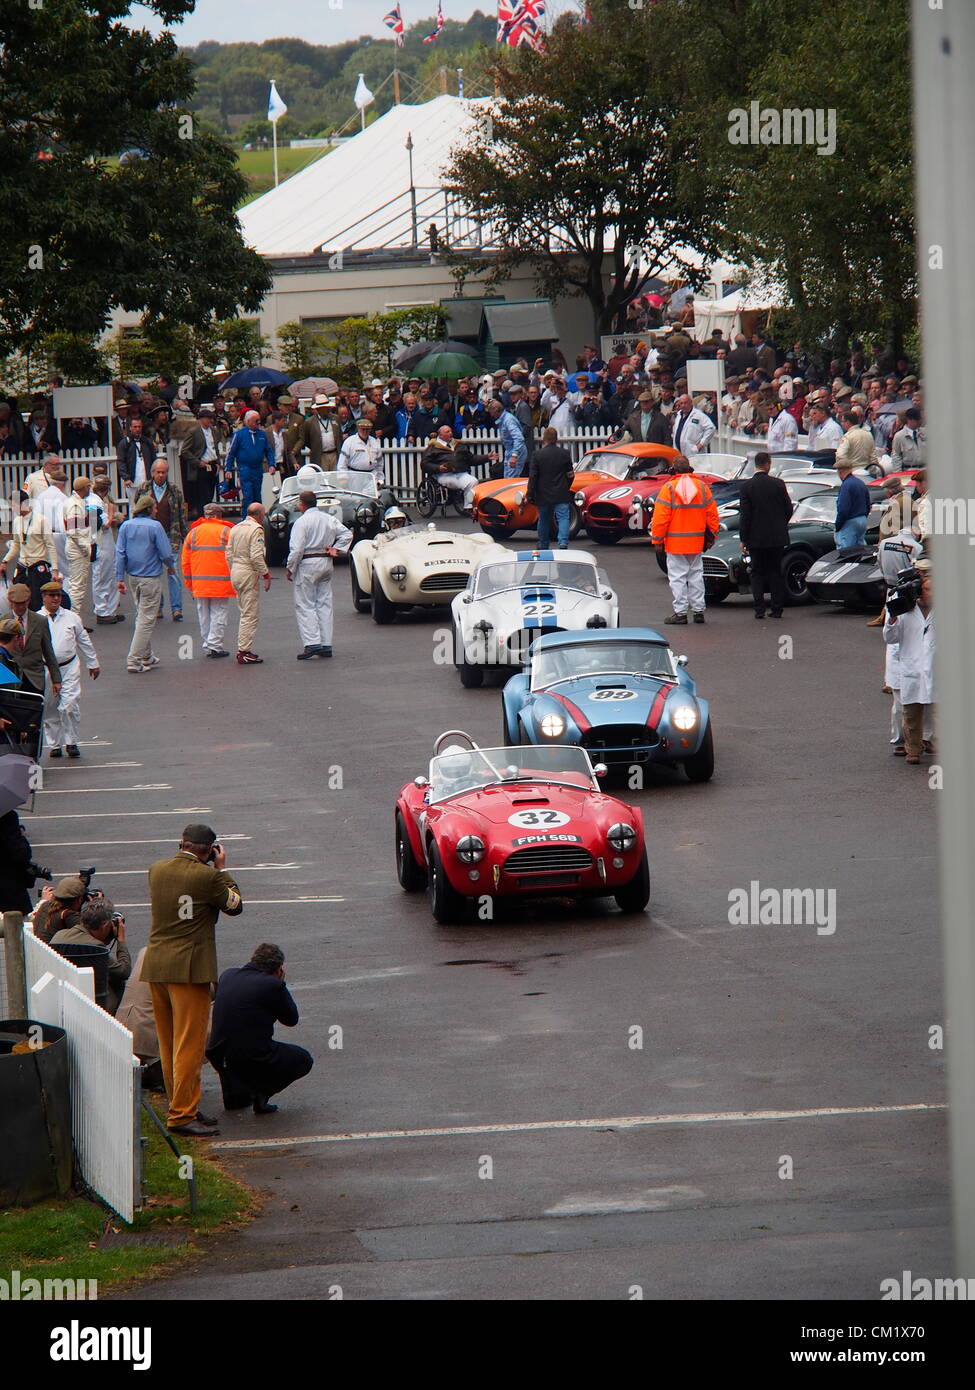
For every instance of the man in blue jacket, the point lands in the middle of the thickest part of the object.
(142, 552)
(852, 508)
(249, 1001)
(251, 450)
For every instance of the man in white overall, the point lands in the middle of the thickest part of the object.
(315, 538)
(62, 712)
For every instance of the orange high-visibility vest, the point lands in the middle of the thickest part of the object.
(683, 511)
(205, 569)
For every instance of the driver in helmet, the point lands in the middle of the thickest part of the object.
(308, 477)
(455, 769)
(394, 519)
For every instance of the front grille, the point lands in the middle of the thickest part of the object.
(492, 507)
(442, 583)
(619, 736)
(605, 511)
(549, 859)
(714, 568)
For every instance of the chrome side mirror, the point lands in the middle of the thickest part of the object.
(600, 769)
(421, 781)
(682, 661)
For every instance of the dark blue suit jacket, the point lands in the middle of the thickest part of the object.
(248, 1003)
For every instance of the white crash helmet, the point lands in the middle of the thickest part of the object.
(394, 518)
(308, 475)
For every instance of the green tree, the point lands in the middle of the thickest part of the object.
(242, 343)
(81, 234)
(580, 163)
(837, 229)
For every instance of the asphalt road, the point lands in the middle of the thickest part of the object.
(487, 1102)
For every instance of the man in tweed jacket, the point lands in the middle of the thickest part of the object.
(169, 509)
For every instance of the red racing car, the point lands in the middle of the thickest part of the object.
(611, 510)
(516, 822)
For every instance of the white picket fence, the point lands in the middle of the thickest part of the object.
(104, 1075)
(402, 457)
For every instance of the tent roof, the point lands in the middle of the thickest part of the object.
(358, 193)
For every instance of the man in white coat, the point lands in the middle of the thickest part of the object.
(361, 453)
(104, 523)
(691, 429)
(48, 506)
(316, 537)
(914, 634)
(62, 711)
(782, 436)
(78, 541)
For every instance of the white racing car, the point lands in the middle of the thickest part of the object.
(511, 601)
(416, 566)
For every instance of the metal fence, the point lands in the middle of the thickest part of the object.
(104, 1075)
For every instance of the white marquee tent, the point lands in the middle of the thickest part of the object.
(357, 195)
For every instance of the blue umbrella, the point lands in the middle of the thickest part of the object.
(256, 376)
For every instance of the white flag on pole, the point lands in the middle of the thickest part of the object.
(275, 106)
(363, 96)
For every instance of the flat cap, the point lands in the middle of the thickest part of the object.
(69, 888)
(18, 593)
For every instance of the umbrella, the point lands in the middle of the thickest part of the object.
(447, 364)
(895, 407)
(311, 385)
(15, 781)
(256, 376)
(408, 357)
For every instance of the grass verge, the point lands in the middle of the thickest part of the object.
(59, 1239)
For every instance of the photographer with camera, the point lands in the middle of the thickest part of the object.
(63, 909)
(17, 868)
(910, 625)
(100, 924)
(187, 893)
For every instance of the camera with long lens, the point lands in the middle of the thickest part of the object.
(903, 596)
(36, 871)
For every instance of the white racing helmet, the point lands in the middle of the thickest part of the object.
(394, 518)
(308, 475)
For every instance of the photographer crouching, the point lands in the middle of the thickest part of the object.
(99, 924)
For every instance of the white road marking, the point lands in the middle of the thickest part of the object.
(86, 767)
(394, 972)
(161, 840)
(233, 869)
(92, 815)
(256, 902)
(103, 791)
(611, 1122)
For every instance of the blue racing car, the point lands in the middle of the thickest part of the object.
(620, 693)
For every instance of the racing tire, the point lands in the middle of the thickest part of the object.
(506, 739)
(412, 876)
(497, 533)
(471, 677)
(427, 499)
(447, 905)
(661, 560)
(700, 766)
(361, 601)
(634, 896)
(457, 497)
(575, 522)
(795, 567)
(383, 611)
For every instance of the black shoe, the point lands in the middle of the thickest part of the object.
(215, 656)
(699, 617)
(195, 1130)
(103, 622)
(55, 753)
(72, 750)
(119, 617)
(262, 1106)
(308, 653)
(324, 651)
(775, 614)
(89, 629)
(676, 619)
(759, 615)
(177, 617)
(202, 1119)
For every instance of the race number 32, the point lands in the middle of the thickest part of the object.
(532, 820)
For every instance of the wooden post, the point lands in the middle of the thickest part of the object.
(12, 929)
(396, 100)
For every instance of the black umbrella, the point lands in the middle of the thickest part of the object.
(895, 407)
(409, 356)
(256, 376)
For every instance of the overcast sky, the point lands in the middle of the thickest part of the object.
(316, 21)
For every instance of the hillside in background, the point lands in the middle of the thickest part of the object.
(317, 81)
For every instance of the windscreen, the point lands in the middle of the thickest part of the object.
(464, 770)
(606, 658)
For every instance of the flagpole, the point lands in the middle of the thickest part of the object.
(274, 139)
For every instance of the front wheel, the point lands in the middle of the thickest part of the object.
(411, 875)
(700, 766)
(795, 567)
(383, 611)
(470, 676)
(497, 533)
(634, 896)
(446, 904)
(575, 521)
(457, 497)
(361, 601)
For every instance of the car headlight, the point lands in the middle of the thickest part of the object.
(278, 520)
(621, 836)
(552, 725)
(519, 499)
(578, 499)
(470, 849)
(398, 573)
(684, 717)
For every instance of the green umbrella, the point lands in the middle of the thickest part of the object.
(446, 364)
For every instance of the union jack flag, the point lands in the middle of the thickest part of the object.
(518, 24)
(432, 38)
(394, 21)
